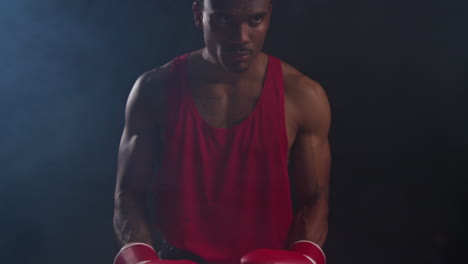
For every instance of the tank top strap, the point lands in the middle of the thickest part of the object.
(178, 75)
(273, 100)
(274, 83)
(177, 82)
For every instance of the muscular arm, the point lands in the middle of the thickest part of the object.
(136, 163)
(310, 164)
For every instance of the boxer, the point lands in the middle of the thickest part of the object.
(224, 139)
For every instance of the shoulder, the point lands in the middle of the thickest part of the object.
(147, 94)
(300, 88)
(306, 98)
(151, 83)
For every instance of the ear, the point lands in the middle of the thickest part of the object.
(197, 11)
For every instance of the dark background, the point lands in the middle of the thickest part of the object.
(396, 73)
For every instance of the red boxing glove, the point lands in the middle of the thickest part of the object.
(163, 261)
(135, 253)
(310, 250)
(141, 253)
(301, 252)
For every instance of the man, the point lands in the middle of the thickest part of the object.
(226, 123)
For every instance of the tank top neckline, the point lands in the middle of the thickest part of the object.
(193, 108)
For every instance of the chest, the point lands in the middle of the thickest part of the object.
(221, 109)
(224, 110)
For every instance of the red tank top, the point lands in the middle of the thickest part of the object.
(223, 192)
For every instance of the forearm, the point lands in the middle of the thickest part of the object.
(306, 239)
(311, 223)
(131, 220)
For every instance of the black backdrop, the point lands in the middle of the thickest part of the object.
(396, 73)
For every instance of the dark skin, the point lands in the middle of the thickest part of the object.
(226, 78)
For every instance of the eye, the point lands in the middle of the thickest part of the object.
(257, 19)
(223, 19)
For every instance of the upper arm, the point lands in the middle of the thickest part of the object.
(139, 148)
(311, 151)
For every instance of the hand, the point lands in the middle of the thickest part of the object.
(301, 252)
(271, 256)
(141, 253)
(164, 261)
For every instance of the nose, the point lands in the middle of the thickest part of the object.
(240, 33)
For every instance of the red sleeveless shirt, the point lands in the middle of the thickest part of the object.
(223, 192)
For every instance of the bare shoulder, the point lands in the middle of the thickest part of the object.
(152, 83)
(306, 99)
(146, 99)
(300, 88)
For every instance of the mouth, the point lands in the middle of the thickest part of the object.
(239, 55)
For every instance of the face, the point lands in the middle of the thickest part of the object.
(234, 30)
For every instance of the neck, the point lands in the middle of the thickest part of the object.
(216, 71)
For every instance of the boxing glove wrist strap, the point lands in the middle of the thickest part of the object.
(135, 253)
(310, 250)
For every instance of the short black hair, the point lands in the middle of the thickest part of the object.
(200, 2)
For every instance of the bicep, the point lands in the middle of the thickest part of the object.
(311, 152)
(138, 145)
(136, 160)
(311, 167)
